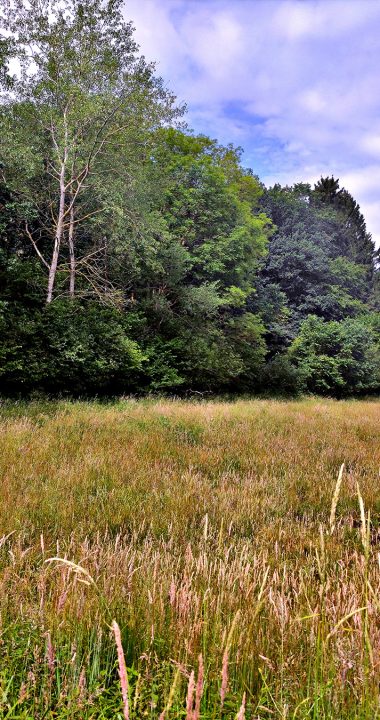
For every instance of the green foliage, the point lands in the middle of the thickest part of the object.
(337, 358)
(208, 209)
(281, 377)
(312, 257)
(66, 347)
(167, 264)
(79, 119)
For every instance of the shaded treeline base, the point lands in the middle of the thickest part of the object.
(203, 529)
(135, 256)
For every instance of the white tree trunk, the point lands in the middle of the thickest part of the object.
(71, 252)
(58, 237)
(61, 214)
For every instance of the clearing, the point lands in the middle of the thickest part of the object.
(208, 531)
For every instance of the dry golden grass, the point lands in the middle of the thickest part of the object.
(211, 533)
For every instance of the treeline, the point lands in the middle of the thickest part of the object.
(136, 256)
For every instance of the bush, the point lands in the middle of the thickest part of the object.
(66, 347)
(281, 377)
(337, 358)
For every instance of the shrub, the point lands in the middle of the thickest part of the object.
(338, 358)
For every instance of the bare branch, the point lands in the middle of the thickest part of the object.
(84, 217)
(39, 253)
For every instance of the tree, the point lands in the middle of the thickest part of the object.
(170, 265)
(326, 190)
(312, 261)
(337, 358)
(6, 52)
(83, 110)
(217, 236)
(350, 237)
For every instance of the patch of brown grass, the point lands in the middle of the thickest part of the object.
(205, 530)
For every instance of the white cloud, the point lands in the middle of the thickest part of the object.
(294, 82)
(300, 20)
(371, 144)
(364, 184)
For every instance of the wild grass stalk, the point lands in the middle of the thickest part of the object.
(122, 669)
(335, 499)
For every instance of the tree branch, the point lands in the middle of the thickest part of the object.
(29, 234)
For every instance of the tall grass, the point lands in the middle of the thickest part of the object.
(190, 560)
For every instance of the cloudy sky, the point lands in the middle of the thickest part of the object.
(296, 83)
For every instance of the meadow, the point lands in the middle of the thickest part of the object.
(237, 556)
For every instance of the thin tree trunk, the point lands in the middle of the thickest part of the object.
(71, 252)
(61, 216)
(57, 238)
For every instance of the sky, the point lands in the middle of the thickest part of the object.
(296, 83)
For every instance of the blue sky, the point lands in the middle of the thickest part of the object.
(296, 83)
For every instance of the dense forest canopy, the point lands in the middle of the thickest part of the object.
(137, 256)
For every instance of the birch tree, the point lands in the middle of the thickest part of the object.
(82, 111)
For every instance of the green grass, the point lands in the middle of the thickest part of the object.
(204, 530)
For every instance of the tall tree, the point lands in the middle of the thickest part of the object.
(320, 257)
(351, 236)
(82, 110)
(215, 239)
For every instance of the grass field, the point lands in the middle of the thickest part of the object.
(244, 580)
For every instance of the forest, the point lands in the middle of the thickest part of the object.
(137, 256)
